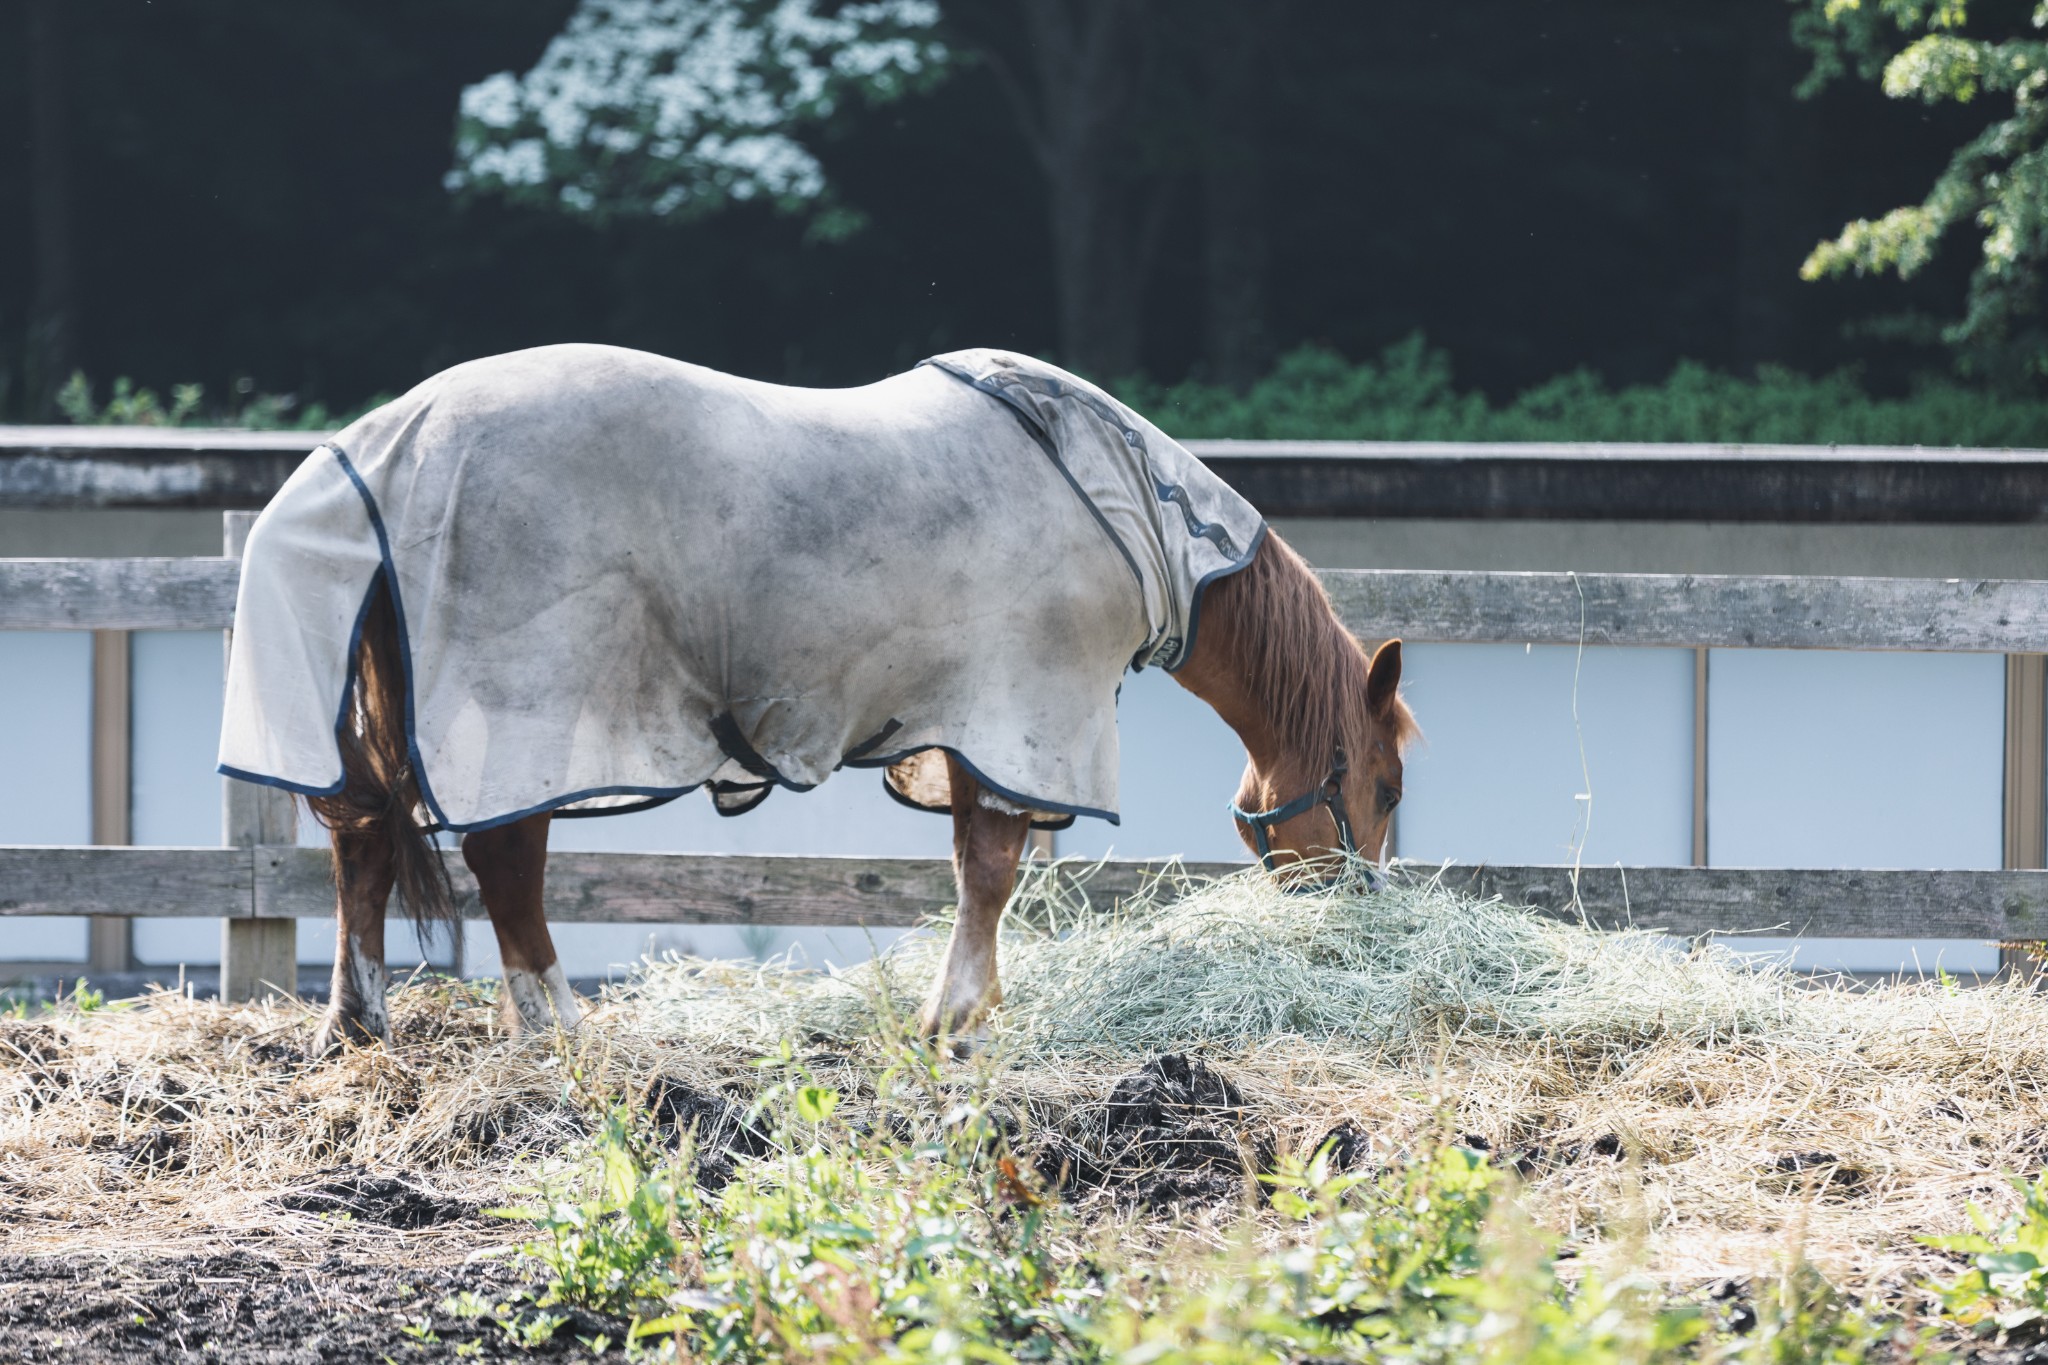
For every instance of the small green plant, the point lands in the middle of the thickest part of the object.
(468, 1304)
(129, 405)
(614, 1248)
(422, 1331)
(2006, 1287)
(531, 1332)
(917, 1234)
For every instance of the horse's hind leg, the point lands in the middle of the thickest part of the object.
(510, 863)
(988, 839)
(377, 844)
(363, 873)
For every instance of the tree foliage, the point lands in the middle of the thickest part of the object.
(1951, 52)
(675, 108)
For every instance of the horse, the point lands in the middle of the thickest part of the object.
(580, 580)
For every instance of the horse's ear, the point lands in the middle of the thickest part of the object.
(1383, 682)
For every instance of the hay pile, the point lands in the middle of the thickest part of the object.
(1238, 961)
(1710, 1112)
(1717, 1108)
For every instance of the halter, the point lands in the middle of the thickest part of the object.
(1331, 794)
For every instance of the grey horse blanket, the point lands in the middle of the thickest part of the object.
(619, 578)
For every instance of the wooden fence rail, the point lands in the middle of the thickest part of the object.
(284, 882)
(1997, 616)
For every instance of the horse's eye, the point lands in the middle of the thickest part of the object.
(1390, 796)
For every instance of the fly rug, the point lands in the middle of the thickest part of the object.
(578, 580)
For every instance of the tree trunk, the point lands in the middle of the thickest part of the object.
(1236, 51)
(1087, 59)
(52, 330)
(1767, 254)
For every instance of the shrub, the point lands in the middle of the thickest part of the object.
(141, 407)
(1407, 394)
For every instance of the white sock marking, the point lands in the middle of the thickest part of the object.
(542, 1000)
(367, 980)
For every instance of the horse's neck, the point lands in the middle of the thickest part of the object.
(1216, 671)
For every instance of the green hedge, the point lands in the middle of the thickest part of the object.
(1408, 395)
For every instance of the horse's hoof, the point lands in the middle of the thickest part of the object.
(959, 1027)
(961, 1047)
(340, 1030)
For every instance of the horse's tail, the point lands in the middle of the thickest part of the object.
(380, 790)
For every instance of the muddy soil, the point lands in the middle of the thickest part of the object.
(1174, 1132)
(246, 1309)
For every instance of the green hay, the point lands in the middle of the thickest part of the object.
(1237, 961)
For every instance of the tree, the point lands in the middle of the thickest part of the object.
(1236, 252)
(52, 330)
(677, 108)
(1953, 52)
(1084, 77)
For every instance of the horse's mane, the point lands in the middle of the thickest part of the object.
(1299, 662)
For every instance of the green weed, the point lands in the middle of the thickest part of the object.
(2006, 1287)
(915, 1238)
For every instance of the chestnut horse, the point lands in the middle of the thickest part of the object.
(1322, 722)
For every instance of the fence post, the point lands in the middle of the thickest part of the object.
(2026, 784)
(110, 938)
(258, 957)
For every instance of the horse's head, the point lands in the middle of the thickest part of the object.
(1340, 798)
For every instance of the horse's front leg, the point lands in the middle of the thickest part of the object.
(363, 876)
(510, 863)
(988, 839)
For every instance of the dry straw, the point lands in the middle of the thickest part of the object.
(1706, 1107)
(1726, 1101)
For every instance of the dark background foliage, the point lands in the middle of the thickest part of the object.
(1537, 185)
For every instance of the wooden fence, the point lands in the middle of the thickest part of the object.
(258, 883)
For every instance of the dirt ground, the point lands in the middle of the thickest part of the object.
(180, 1181)
(246, 1308)
(370, 1261)
(382, 1276)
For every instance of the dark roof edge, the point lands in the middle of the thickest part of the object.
(182, 467)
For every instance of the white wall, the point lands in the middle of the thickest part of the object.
(1824, 759)
(174, 680)
(45, 770)
(1180, 767)
(1505, 774)
(1811, 762)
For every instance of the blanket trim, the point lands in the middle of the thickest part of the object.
(1065, 813)
(1044, 441)
(1171, 493)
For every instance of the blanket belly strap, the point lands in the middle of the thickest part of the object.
(741, 750)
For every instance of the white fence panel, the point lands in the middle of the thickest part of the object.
(1827, 759)
(46, 755)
